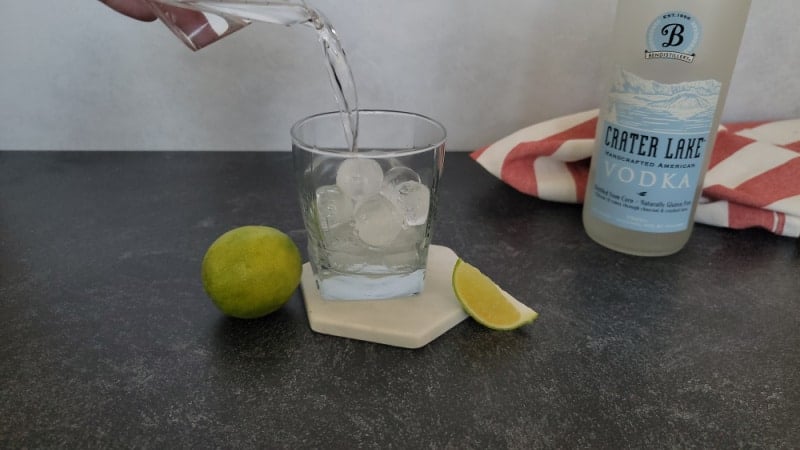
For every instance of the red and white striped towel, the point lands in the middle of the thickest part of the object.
(753, 178)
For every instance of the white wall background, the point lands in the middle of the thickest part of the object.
(76, 75)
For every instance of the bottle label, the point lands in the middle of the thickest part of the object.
(653, 143)
(673, 35)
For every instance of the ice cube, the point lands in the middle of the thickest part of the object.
(377, 221)
(403, 261)
(396, 175)
(359, 177)
(414, 200)
(343, 249)
(333, 206)
(409, 237)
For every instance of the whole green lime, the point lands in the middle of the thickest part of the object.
(251, 271)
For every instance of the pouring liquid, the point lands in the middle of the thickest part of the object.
(238, 13)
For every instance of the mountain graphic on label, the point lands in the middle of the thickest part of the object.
(686, 107)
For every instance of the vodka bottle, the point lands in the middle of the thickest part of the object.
(672, 62)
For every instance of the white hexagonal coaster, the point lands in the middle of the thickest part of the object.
(409, 322)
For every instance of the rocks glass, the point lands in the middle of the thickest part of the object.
(368, 213)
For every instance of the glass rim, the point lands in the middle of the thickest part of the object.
(294, 131)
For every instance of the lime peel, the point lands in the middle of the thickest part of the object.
(486, 302)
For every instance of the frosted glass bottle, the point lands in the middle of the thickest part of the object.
(672, 62)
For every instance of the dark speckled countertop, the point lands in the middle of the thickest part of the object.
(108, 340)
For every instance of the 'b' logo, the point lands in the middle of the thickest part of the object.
(674, 34)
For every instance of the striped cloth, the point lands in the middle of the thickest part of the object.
(753, 178)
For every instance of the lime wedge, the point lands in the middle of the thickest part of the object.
(485, 302)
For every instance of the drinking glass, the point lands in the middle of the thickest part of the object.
(368, 213)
